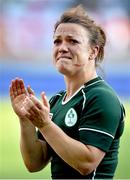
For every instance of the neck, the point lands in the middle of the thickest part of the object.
(74, 83)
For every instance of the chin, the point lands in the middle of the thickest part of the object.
(62, 69)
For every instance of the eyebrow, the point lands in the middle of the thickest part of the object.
(68, 36)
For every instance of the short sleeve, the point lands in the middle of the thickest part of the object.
(100, 119)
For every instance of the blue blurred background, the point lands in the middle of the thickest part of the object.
(26, 31)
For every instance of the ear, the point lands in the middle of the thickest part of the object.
(94, 52)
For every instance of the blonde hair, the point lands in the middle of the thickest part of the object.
(79, 16)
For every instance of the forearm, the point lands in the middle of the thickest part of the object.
(79, 156)
(34, 151)
(73, 152)
(31, 147)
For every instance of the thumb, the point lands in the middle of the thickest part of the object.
(45, 100)
(30, 90)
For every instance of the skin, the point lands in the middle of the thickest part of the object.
(75, 59)
(34, 151)
(73, 56)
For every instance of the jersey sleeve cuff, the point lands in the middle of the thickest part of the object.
(96, 138)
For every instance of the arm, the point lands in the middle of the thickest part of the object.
(83, 158)
(34, 151)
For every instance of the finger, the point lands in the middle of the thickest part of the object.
(36, 101)
(45, 100)
(11, 92)
(32, 119)
(14, 89)
(30, 107)
(22, 86)
(18, 86)
(30, 90)
(32, 112)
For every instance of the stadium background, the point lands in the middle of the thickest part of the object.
(26, 30)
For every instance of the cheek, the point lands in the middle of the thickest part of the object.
(79, 53)
(54, 53)
(82, 55)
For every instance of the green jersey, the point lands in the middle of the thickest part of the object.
(93, 116)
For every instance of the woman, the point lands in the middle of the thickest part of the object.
(78, 129)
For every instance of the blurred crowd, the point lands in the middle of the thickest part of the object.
(26, 27)
(26, 30)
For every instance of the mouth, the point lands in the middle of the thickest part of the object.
(63, 57)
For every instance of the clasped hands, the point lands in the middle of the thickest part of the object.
(27, 106)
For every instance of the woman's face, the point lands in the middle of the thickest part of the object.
(71, 48)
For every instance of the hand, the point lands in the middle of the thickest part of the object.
(18, 94)
(37, 112)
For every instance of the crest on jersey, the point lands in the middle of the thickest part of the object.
(71, 117)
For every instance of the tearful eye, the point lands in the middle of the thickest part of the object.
(57, 41)
(73, 41)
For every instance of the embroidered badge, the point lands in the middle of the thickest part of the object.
(71, 117)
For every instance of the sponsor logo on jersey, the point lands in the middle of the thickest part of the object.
(71, 117)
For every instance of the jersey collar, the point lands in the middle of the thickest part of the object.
(89, 83)
(93, 81)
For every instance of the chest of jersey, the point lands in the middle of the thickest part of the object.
(67, 115)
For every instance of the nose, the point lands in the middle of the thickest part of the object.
(63, 47)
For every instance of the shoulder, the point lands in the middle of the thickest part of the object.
(102, 98)
(101, 92)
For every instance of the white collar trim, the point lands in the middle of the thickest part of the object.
(64, 102)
